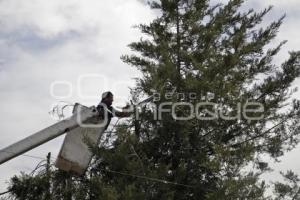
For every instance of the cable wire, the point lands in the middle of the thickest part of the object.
(27, 155)
(3, 193)
(149, 178)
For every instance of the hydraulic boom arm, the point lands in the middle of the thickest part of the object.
(46, 134)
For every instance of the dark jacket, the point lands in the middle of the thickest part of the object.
(106, 111)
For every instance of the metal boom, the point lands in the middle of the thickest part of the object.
(46, 134)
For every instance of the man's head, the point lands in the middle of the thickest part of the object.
(107, 98)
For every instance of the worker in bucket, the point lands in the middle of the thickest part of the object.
(106, 110)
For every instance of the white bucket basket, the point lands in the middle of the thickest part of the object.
(75, 155)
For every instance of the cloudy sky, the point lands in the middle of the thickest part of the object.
(70, 50)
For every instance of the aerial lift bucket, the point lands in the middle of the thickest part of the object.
(75, 154)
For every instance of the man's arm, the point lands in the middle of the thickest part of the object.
(122, 114)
